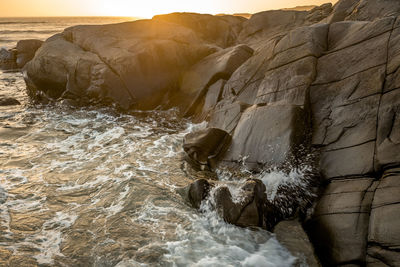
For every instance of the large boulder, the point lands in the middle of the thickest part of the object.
(26, 50)
(131, 65)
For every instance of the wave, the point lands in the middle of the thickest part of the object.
(21, 22)
(28, 31)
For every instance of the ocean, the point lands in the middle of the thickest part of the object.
(92, 187)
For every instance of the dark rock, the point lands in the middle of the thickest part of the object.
(249, 207)
(388, 139)
(292, 236)
(204, 148)
(8, 101)
(340, 222)
(384, 230)
(26, 50)
(268, 136)
(198, 191)
(8, 59)
(3, 195)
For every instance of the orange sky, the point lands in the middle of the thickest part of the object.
(140, 8)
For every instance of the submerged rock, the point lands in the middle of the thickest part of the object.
(8, 101)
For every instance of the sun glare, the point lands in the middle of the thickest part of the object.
(149, 8)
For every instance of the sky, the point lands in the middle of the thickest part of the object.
(140, 8)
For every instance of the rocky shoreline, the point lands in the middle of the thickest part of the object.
(273, 88)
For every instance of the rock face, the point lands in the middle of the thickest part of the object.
(281, 84)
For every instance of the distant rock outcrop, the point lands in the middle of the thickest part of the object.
(281, 84)
(16, 58)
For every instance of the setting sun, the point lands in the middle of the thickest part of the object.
(135, 8)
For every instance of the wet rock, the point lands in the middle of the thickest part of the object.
(291, 235)
(250, 207)
(26, 50)
(8, 101)
(204, 148)
(268, 136)
(3, 195)
(198, 191)
(8, 59)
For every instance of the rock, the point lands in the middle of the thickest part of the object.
(384, 231)
(319, 13)
(347, 33)
(371, 10)
(264, 25)
(135, 65)
(339, 226)
(26, 50)
(388, 139)
(227, 116)
(251, 207)
(288, 84)
(213, 96)
(291, 235)
(222, 30)
(197, 80)
(205, 147)
(8, 59)
(198, 191)
(341, 10)
(248, 207)
(352, 60)
(268, 136)
(8, 101)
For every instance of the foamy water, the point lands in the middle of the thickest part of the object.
(90, 187)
